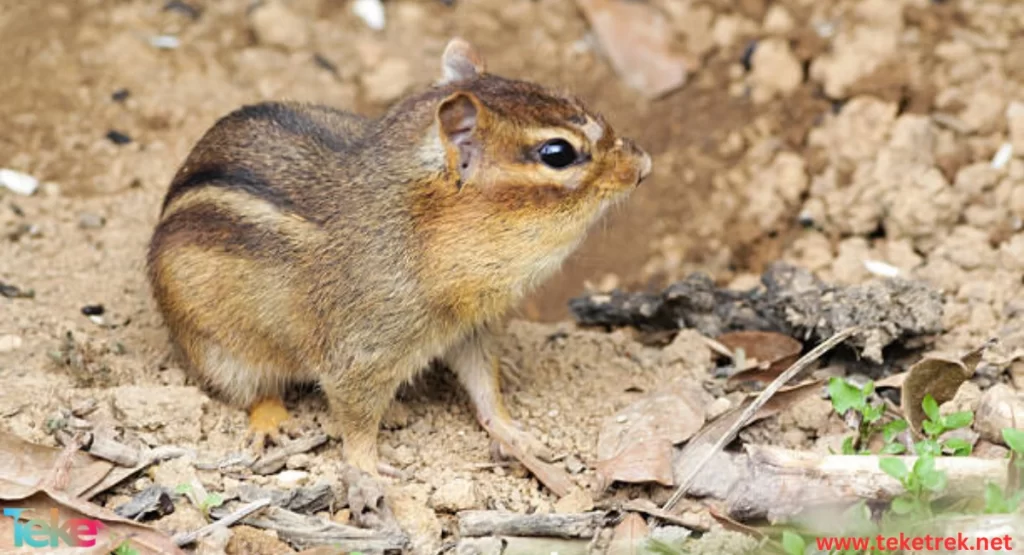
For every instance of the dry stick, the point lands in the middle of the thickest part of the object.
(190, 537)
(759, 402)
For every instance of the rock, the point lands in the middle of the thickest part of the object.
(291, 479)
(967, 398)
(417, 519)
(298, 462)
(983, 111)
(718, 407)
(9, 343)
(276, 25)
(1000, 407)
(456, 495)
(777, 21)
(371, 12)
(90, 220)
(775, 70)
(17, 182)
(387, 81)
(1015, 123)
(573, 465)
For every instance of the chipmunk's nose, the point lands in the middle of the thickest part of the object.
(645, 165)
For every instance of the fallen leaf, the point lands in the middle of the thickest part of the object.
(710, 434)
(638, 42)
(629, 536)
(939, 375)
(894, 381)
(639, 463)
(635, 444)
(24, 466)
(772, 352)
(39, 490)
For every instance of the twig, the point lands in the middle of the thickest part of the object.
(501, 523)
(187, 538)
(275, 461)
(763, 398)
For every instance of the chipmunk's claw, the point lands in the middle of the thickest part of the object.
(367, 499)
(515, 433)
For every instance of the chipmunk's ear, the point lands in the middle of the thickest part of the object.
(460, 62)
(458, 118)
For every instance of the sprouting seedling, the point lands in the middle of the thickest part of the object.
(207, 504)
(125, 548)
(847, 397)
(1008, 500)
(793, 543)
(937, 424)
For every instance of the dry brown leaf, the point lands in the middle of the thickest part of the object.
(629, 536)
(635, 444)
(673, 413)
(24, 466)
(710, 434)
(939, 375)
(734, 526)
(773, 352)
(894, 381)
(639, 463)
(26, 484)
(638, 42)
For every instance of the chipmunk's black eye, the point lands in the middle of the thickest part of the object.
(557, 153)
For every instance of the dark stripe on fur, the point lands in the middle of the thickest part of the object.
(213, 227)
(228, 177)
(292, 121)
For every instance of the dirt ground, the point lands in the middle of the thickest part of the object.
(835, 134)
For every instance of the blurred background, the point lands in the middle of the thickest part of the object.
(827, 132)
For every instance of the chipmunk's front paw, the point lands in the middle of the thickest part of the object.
(514, 433)
(367, 499)
(270, 424)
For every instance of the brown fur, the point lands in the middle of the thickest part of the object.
(298, 242)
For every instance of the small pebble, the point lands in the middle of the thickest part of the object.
(371, 12)
(881, 269)
(89, 220)
(9, 343)
(573, 465)
(165, 42)
(118, 138)
(183, 8)
(93, 310)
(120, 95)
(1002, 156)
(292, 478)
(298, 462)
(18, 182)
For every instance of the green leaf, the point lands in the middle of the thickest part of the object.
(893, 467)
(932, 429)
(848, 446)
(925, 464)
(931, 408)
(892, 429)
(959, 447)
(182, 489)
(868, 389)
(873, 412)
(934, 480)
(927, 447)
(958, 420)
(213, 500)
(894, 449)
(995, 501)
(844, 396)
(793, 543)
(903, 505)
(1014, 437)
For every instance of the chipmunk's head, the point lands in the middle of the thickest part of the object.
(525, 146)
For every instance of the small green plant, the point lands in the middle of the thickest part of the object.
(936, 425)
(125, 548)
(207, 504)
(793, 543)
(846, 397)
(1008, 500)
(919, 483)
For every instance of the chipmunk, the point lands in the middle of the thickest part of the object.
(300, 243)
